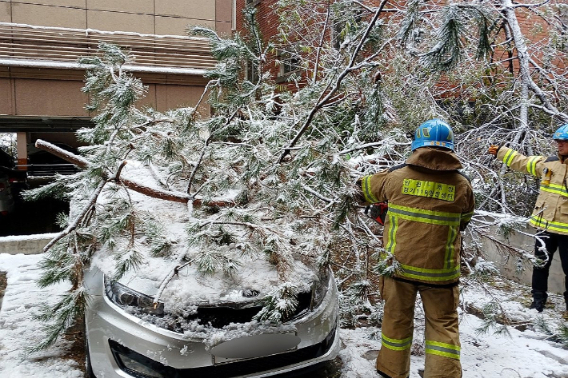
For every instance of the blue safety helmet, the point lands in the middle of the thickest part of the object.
(433, 133)
(561, 133)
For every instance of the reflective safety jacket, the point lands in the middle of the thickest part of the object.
(429, 202)
(551, 208)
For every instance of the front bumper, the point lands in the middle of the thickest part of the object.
(118, 341)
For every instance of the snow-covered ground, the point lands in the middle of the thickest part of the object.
(525, 354)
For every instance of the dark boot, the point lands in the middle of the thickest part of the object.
(539, 300)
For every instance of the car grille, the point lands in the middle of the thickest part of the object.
(225, 370)
(221, 316)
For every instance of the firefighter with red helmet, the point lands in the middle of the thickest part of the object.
(550, 213)
(429, 202)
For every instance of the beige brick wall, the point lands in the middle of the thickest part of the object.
(129, 22)
(5, 12)
(141, 16)
(224, 16)
(130, 6)
(178, 26)
(57, 92)
(6, 100)
(46, 15)
(53, 97)
(45, 93)
(62, 3)
(191, 9)
(172, 96)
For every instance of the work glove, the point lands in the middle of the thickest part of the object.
(493, 150)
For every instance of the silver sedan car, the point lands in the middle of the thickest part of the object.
(129, 334)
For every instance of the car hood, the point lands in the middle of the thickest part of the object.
(177, 280)
(249, 283)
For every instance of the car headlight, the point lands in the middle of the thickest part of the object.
(319, 290)
(132, 300)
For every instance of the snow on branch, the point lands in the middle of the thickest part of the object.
(324, 99)
(159, 193)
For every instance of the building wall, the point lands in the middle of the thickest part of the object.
(38, 80)
(41, 92)
(28, 91)
(141, 16)
(512, 266)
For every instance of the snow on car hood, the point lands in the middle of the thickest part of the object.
(254, 273)
(190, 287)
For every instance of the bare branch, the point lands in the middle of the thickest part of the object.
(61, 153)
(197, 165)
(338, 82)
(523, 58)
(322, 38)
(73, 225)
(171, 274)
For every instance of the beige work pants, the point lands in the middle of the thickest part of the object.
(441, 333)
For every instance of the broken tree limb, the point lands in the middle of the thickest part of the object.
(524, 61)
(167, 195)
(79, 161)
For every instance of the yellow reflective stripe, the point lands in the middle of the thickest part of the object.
(450, 246)
(531, 164)
(366, 187)
(451, 269)
(443, 349)
(549, 225)
(466, 217)
(433, 275)
(554, 188)
(429, 189)
(396, 344)
(425, 216)
(508, 158)
(393, 228)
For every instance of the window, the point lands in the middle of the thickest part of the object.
(252, 3)
(252, 72)
(289, 63)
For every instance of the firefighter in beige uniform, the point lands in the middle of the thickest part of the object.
(429, 203)
(550, 214)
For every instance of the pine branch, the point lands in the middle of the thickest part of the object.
(61, 153)
(504, 246)
(534, 5)
(318, 195)
(60, 317)
(245, 224)
(321, 41)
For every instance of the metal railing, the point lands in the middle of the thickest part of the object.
(45, 170)
(33, 46)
